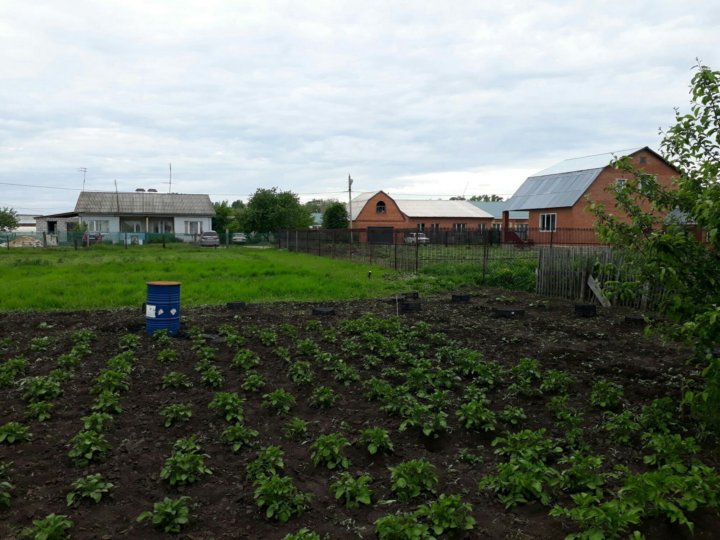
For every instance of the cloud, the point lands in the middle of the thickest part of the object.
(241, 94)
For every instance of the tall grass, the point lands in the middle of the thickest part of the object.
(109, 277)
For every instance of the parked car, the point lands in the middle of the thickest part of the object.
(417, 238)
(92, 238)
(209, 238)
(239, 238)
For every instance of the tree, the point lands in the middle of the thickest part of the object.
(487, 198)
(224, 216)
(270, 210)
(318, 206)
(8, 219)
(664, 246)
(335, 217)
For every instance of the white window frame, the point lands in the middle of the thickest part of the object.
(98, 225)
(459, 227)
(381, 207)
(421, 227)
(190, 225)
(548, 222)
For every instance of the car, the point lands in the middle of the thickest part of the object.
(239, 238)
(210, 239)
(417, 238)
(92, 238)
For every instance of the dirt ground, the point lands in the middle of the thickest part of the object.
(605, 346)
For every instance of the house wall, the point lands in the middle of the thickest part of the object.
(113, 221)
(61, 227)
(179, 223)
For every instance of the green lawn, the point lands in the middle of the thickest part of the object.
(111, 276)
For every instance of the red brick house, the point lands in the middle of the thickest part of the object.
(384, 217)
(556, 198)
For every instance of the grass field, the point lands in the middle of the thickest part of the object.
(108, 277)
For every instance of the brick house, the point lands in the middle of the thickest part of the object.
(384, 217)
(556, 198)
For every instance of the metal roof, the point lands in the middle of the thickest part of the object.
(496, 208)
(144, 203)
(441, 209)
(562, 185)
(597, 161)
(358, 202)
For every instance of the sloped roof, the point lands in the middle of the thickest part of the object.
(144, 203)
(562, 185)
(496, 208)
(424, 208)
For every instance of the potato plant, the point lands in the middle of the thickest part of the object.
(168, 515)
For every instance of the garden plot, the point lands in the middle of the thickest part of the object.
(271, 422)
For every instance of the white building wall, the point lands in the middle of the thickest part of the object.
(204, 223)
(113, 221)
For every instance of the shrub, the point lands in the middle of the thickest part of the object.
(411, 478)
(401, 527)
(253, 382)
(88, 446)
(167, 355)
(323, 397)
(476, 415)
(302, 534)
(40, 410)
(229, 405)
(169, 515)
(239, 435)
(606, 394)
(175, 379)
(97, 421)
(448, 514)
(186, 464)
(107, 402)
(280, 401)
(40, 389)
(129, 342)
(246, 359)
(296, 429)
(269, 461)
(212, 377)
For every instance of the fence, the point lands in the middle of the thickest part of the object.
(559, 265)
(80, 239)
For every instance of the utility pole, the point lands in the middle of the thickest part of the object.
(84, 171)
(350, 183)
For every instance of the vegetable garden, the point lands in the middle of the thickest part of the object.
(271, 422)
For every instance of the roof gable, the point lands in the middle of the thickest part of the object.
(139, 203)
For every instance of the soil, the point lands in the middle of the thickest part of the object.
(589, 348)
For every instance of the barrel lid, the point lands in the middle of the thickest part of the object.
(163, 283)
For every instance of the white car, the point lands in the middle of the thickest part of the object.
(238, 238)
(417, 238)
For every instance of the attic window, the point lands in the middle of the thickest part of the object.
(380, 207)
(643, 160)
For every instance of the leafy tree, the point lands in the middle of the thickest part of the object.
(270, 210)
(8, 219)
(335, 217)
(224, 216)
(486, 198)
(677, 244)
(319, 206)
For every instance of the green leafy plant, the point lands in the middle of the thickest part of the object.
(327, 450)
(186, 464)
(253, 382)
(162, 338)
(606, 394)
(377, 440)
(5, 486)
(621, 427)
(466, 455)
(176, 380)
(520, 480)
(302, 534)
(51, 527)
(168, 515)
(229, 405)
(14, 432)
(323, 397)
(239, 435)
(269, 461)
(167, 355)
(401, 527)
(41, 343)
(580, 472)
(411, 478)
(97, 421)
(513, 415)
(431, 421)
(296, 429)
(448, 514)
(11, 370)
(476, 415)
(40, 410)
(556, 382)
(280, 401)
(111, 380)
(300, 372)
(668, 449)
(377, 389)
(40, 389)
(176, 413)
(212, 377)
(88, 446)
(279, 497)
(527, 444)
(600, 519)
(353, 491)
(129, 342)
(267, 337)
(246, 359)
(92, 487)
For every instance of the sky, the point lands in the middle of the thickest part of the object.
(423, 99)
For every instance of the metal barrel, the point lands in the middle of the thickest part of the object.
(162, 309)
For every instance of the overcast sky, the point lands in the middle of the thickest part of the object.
(425, 99)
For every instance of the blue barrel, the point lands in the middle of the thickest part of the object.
(162, 309)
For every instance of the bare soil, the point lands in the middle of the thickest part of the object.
(605, 346)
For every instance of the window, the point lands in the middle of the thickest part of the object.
(421, 227)
(496, 226)
(98, 225)
(459, 227)
(481, 228)
(547, 222)
(193, 227)
(380, 207)
(521, 227)
(643, 160)
(435, 227)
